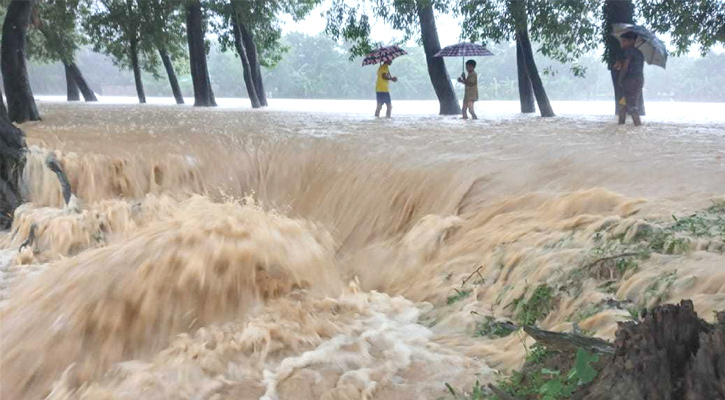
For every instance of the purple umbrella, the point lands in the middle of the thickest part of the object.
(464, 50)
(383, 54)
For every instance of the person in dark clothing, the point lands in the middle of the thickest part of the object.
(631, 78)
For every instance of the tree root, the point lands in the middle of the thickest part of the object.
(671, 354)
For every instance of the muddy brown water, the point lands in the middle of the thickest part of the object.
(284, 254)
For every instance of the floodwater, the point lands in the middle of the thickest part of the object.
(310, 251)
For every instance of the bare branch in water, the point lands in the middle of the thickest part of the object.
(52, 163)
(31, 237)
(563, 341)
(609, 258)
(477, 271)
(500, 393)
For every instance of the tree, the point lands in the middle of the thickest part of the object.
(12, 163)
(163, 27)
(526, 89)
(503, 20)
(21, 103)
(55, 37)
(114, 27)
(414, 17)
(203, 95)
(252, 28)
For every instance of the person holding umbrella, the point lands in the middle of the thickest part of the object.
(640, 46)
(385, 56)
(470, 94)
(631, 78)
(382, 89)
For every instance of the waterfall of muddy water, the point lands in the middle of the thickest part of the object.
(220, 254)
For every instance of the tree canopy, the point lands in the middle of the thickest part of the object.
(564, 30)
(262, 17)
(688, 22)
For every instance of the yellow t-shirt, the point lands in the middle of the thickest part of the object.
(382, 84)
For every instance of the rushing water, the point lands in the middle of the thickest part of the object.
(297, 254)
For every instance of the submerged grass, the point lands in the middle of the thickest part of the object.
(536, 307)
(493, 329)
(460, 295)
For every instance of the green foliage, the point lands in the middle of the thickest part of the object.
(318, 67)
(552, 384)
(565, 30)
(590, 310)
(351, 23)
(707, 223)
(460, 295)
(164, 27)
(687, 22)
(114, 25)
(537, 355)
(491, 328)
(717, 207)
(262, 18)
(476, 393)
(54, 34)
(536, 307)
(660, 287)
(633, 313)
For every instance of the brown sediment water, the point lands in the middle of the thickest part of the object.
(286, 255)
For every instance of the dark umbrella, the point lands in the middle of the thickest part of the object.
(383, 54)
(653, 49)
(464, 50)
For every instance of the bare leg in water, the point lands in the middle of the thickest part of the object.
(622, 115)
(470, 108)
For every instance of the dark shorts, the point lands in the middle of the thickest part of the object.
(632, 89)
(383, 97)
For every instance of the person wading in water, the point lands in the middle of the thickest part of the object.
(631, 79)
(382, 90)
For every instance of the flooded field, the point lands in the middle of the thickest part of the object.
(291, 254)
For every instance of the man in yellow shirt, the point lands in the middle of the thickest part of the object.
(382, 90)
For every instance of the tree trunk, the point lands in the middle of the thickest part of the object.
(617, 11)
(12, 163)
(71, 88)
(526, 91)
(436, 67)
(670, 355)
(251, 47)
(80, 81)
(203, 95)
(137, 72)
(172, 76)
(541, 98)
(246, 67)
(21, 104)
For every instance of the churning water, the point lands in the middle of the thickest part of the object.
(291, 254)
